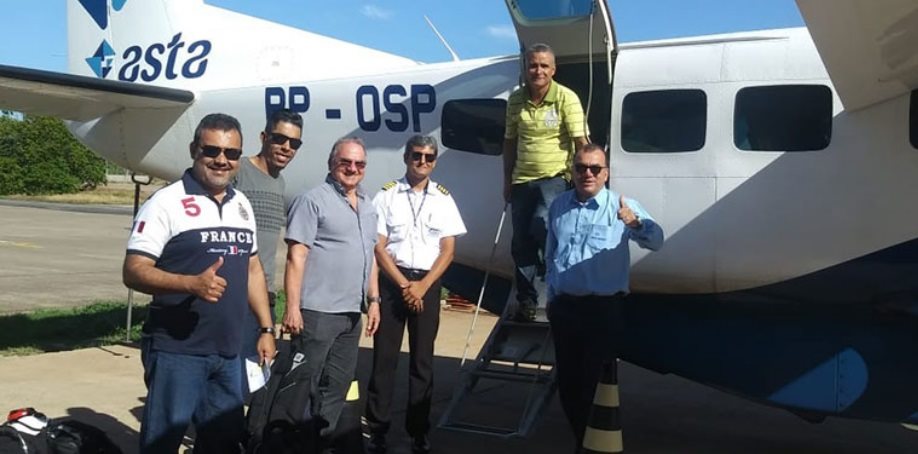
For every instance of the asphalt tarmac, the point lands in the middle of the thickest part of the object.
(50, 257)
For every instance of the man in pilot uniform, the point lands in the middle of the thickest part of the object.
(417, 227)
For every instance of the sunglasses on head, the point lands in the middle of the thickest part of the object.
(212, 151)
(417, 156)
(594, 169)
(279, 139)
(347, 163)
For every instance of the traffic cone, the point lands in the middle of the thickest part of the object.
(604, 429)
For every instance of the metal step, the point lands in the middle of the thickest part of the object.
(518, 354)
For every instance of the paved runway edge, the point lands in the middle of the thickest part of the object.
(79, 208)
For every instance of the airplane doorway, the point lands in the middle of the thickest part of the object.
(576, 76)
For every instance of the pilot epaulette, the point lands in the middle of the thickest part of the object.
(389, 185)
(442, 189)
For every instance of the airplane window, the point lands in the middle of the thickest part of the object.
(913, 119)
(474, 125)
(664, 121)
(783, 118)
(540, 9)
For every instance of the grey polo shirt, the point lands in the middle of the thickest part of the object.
(340, 242)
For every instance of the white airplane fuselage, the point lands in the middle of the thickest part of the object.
(786, 276)
(734, 219)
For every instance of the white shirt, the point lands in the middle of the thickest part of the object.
(415, 221)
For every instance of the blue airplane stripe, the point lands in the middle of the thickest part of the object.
(98, 10)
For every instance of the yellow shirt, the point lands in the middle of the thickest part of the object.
(544, 133)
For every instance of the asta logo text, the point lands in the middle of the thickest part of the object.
(171, 60)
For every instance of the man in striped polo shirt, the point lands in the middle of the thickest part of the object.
(545, 126)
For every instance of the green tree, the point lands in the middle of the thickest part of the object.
(38, 155)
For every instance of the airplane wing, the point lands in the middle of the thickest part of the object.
(868, 46)
(79, 98)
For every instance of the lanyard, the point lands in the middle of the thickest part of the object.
(415, 214)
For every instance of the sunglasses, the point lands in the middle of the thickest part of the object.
(582, 168)
(279, 139)
(417, 156)
(211, 151)
(347, 163)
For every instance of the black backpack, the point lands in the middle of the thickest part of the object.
(68, 436)
(14, 442)
(279, 419)
(27, 431)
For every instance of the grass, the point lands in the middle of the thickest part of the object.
(55, 330)
(110, 194)
(51, 330)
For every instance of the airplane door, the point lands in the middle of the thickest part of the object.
(582, 35)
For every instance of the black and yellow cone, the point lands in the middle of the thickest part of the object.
(604, 429)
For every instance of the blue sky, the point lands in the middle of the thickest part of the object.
(33, 32)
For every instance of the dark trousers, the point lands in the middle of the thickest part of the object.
(330, 343)
(529, 203)
(422, 332)
(586, 331)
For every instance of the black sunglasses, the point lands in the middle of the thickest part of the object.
(212, 151)
(347, 163)
(594, 169)
(279, 139)
(417, 155)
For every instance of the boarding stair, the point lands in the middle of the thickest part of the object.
(518, 357)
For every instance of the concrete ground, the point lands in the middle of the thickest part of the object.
(52, 257)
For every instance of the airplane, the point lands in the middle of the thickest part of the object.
(781, 164)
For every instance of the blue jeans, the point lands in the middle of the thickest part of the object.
(182, 389)
(529, 203)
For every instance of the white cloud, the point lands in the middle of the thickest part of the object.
(501, 31)
(375, 12)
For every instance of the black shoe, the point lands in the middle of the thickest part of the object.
(376, 444)
(420, 445)
(525, 313)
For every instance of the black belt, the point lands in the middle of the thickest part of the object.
(413, 274)
(559, 175)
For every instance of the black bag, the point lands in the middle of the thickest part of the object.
(13, 441)
(68, 436)
(279, 419)
(24, 432)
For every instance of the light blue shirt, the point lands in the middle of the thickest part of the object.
(587, 248)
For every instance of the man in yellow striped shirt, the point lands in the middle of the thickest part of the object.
(545, 126)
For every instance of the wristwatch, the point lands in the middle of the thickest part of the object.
(266, 330)
(372, 299)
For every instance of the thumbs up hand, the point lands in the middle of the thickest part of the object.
(208, 285)
(627, 215)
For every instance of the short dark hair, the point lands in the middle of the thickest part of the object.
(285, 116)
(216, 122)
(421, 141)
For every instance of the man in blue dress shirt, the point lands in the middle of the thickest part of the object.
(588, 262)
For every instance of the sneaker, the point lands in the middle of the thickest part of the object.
(420, 445)
(376, 444)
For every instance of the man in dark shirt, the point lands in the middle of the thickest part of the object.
(193, 247)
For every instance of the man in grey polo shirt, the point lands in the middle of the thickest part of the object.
(331, 271)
